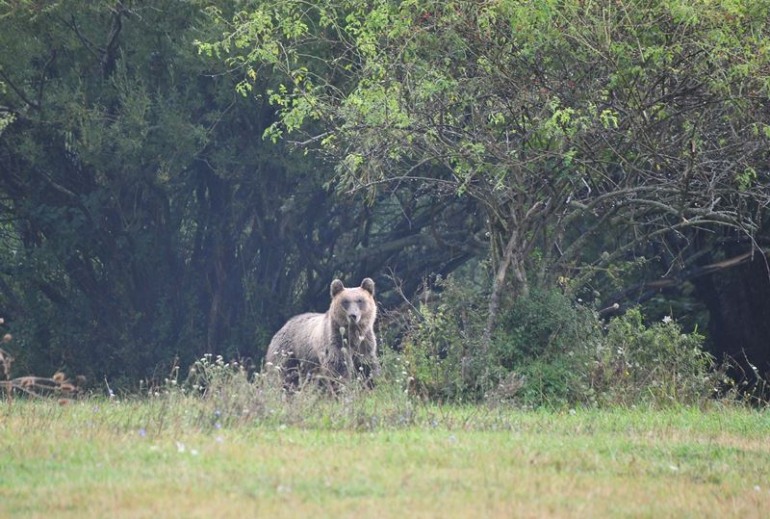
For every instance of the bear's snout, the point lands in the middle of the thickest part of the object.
(354, 317)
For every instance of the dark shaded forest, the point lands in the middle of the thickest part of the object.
(178, 178)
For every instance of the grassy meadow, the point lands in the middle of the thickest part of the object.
(182, 456)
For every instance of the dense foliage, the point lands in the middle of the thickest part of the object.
(591, 133)
(143, 215)
(179, 178)
(547, 351)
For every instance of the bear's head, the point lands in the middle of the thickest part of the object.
(354, 306)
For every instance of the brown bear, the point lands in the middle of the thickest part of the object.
(336, 346)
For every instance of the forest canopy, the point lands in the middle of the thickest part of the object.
(179, 178)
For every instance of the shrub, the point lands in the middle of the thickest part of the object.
(547, 341)
(434, 351)
(547, 350)
(441, 345)
(656, 364)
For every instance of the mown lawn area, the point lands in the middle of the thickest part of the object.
(142, 458)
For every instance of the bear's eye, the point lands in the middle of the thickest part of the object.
(360, 301)
(345, 304)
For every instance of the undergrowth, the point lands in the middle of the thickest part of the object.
(549, 351)
(226, 393)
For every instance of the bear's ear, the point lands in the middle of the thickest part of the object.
(337, 287)
(368, 285)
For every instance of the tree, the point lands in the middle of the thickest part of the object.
(632, 125)
(144, 218)
(110, 189)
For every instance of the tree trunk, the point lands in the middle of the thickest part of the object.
(511, 259)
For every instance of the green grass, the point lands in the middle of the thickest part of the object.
(178, 456)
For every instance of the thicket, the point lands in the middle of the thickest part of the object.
(549, 350)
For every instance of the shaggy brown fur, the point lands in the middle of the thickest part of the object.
(337, 345)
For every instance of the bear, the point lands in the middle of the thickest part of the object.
(333, 347)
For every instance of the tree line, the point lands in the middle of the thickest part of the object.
(178, 178)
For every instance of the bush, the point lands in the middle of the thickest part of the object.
(440, 350)
(547, 341)
(549, 351)
(656, 364)
(434, 354)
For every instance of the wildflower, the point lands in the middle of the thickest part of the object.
(142, 432)
(667, 319)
